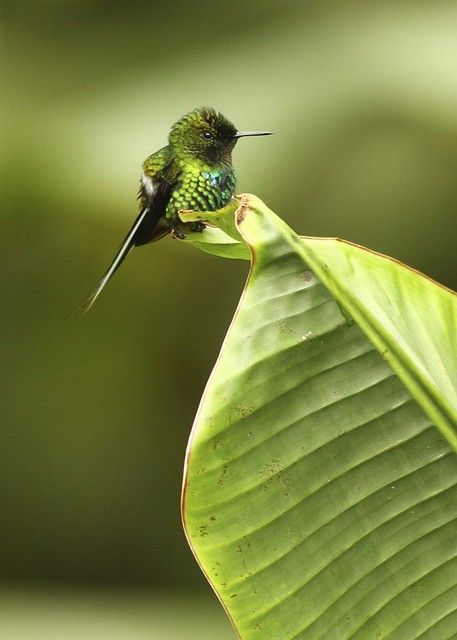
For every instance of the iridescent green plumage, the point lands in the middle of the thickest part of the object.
(194, 171)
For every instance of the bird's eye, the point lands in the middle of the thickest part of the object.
(207, 135)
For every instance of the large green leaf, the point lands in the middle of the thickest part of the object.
(320, 488)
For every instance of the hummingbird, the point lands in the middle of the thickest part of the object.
(194, 171)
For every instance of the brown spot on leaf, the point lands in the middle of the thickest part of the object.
(242, 210)
(275, 478)
(244, 409)
(220, 480)
(283, 326)
(241, 214)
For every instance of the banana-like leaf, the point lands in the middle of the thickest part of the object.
(319, 495)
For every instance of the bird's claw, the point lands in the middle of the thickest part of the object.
(175, 232)
(197, 225)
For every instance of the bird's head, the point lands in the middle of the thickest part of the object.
(207, 135)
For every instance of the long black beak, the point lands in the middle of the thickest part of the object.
(243, 134)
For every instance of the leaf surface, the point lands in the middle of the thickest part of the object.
(320, 487)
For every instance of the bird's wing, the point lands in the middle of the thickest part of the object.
(155, 193)
(156, 200)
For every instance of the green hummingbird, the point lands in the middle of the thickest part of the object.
(194, 171)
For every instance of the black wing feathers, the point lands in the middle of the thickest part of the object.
(151, 229)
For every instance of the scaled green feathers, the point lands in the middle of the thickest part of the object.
(194, 171)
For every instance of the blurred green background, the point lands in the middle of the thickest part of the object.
(362, 97)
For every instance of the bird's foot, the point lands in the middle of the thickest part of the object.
(176, 232)
(197, 225)
(178, 227)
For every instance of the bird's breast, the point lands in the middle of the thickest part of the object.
(215, 187)
(214, 178)
(207, 189)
